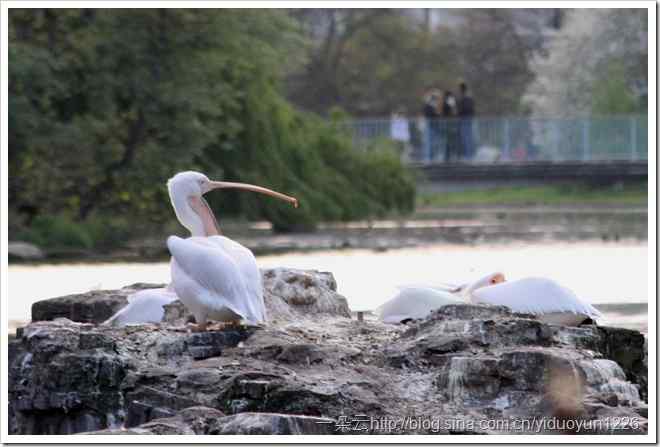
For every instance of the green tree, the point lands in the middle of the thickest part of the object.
(105, 105)
(611, 94)
(372, 62)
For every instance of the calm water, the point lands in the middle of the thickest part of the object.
(614, 273)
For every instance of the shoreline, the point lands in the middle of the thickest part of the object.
(467, 224)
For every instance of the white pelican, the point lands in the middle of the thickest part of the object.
(418, 301)
(145, 306)
(214, 276)
(551, 302)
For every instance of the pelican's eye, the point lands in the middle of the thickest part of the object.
(493, 281)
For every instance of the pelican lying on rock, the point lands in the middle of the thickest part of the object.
(417, 302)
(145, 306)
(551, 302)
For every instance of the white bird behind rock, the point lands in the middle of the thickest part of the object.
(145, 306)
(551, 302)
(418, 301)
(412, 303)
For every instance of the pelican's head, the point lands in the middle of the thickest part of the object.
(188, 183)
(488, 280)
(186, 190)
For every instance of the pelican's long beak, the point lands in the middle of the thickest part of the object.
(253, 188)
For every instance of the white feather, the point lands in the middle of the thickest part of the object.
(537, 296)
(415, 302)
(443, 287)
(216, 277)
(145, 306)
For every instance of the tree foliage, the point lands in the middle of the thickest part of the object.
(372, 62)
(105, 105)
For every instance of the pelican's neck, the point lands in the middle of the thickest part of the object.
(483, 282)
(194, 214)
(203, 210)
(467, 292)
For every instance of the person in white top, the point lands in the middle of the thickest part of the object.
(400, 130)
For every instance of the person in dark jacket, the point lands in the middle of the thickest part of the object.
(450, 126)
(466, 115)
(431, 114)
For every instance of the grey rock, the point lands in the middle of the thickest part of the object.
(274, 424)
(303, 352)
(95, 306)
(24, 251)
(190, 421)
(288, 294)
(627, 348)
(209, 421)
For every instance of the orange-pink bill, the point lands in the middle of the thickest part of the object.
(255, 188)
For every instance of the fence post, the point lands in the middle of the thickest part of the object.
(633, 138)
(507, 140)
(475, 141)
(555, 137)
(427, 142)
(586, 148)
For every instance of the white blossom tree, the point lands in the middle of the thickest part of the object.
(597, 52)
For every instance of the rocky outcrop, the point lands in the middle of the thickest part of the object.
(24, 251)
(94, 306)
(209, 421)
(288, 294)
(312, 369)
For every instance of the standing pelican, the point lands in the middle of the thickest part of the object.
(417, 302)
(551, 302)
(215, 277)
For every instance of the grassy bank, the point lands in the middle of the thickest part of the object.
(633, 194)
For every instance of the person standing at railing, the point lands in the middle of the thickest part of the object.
(400, 131)
(430, 111)
(450, 125)
(466, 114)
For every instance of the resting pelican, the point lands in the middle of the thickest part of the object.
(551, 302)
(145, 306)
(213, 276)
(417, 302)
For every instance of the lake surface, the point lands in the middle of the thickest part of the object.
(610, 273)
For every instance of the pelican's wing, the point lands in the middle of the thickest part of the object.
(414, 302)
(442, 287)
(247, 264)
(535, 296)
(452, 288)
(145, 306)
(214, 274)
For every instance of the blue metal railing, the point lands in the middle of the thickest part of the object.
(512, 139)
